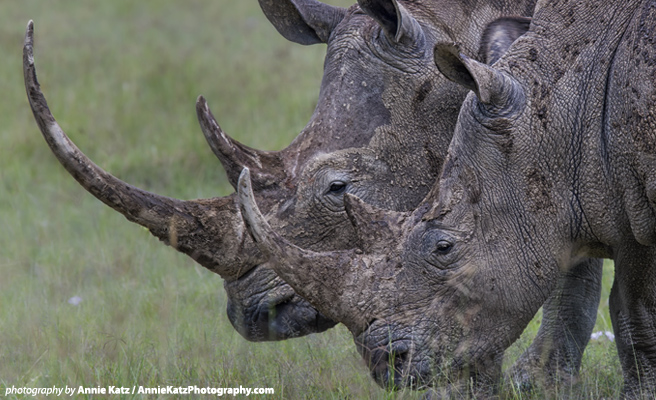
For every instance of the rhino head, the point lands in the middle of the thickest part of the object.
(415, 318)
(379, 82)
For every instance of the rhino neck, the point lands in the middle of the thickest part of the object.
(627, 143)
(572, 65)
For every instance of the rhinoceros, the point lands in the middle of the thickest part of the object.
(379, 82)
(553, 158)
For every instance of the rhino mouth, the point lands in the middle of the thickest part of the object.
(263, 307)
(392, 357)
(398, 358)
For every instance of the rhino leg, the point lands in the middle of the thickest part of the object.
(633, 313)
(569, 315)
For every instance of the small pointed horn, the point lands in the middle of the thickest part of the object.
(325, 279)
(375, 227)
(210, 231)
(234, 156)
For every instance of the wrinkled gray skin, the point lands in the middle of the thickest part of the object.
(553, 159)
(379, 82)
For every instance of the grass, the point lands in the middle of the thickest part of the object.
(122, 78)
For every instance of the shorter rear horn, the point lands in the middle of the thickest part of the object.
(266, 166)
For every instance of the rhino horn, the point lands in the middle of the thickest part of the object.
(138, 205)
(267, 166)
(323, 278)
(303, 21)
(396, 21)
(375, 227)
(494, 88)
(181, 224)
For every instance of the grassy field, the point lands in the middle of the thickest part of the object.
(122, 77)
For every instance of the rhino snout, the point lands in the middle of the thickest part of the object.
(262, 307)
(392, 358)
(277, 319)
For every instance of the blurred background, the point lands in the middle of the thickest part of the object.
(90, 299)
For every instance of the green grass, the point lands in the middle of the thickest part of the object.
(122, 77)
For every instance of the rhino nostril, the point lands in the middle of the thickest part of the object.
(398, 360)
(389, 364)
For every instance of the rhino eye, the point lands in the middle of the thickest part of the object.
(337, 187)
(443, 247)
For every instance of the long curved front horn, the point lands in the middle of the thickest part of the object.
(210, 231)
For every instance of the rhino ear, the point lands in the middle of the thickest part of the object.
(375, 227)
(303, 21)
(495, 89)
(499, 35)
(396, 21)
